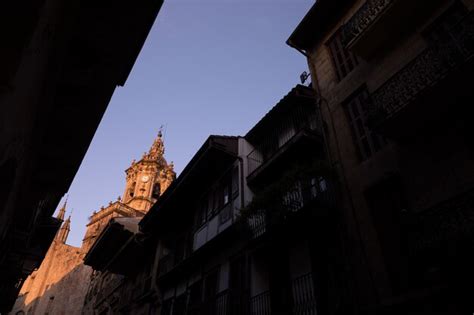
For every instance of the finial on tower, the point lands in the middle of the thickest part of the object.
(62, 211)
(63, 232)
(160, 132)
(158, 148)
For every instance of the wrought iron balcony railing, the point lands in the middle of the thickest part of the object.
(428, 68)
(363, 18)
(301, 194)
(239, 302)
(260, 304)
(301, 118)
(304, 298)
(216, 305)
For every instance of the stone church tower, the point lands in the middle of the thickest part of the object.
(61, 283)
(146, 180)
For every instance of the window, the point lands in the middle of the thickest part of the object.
(366, 140)
(293, 198)
(131, 191)
(344, 61)
(156, 190)
(218, 197)
(195, 298)
(180, 248)
(202, 213)
(318, 186)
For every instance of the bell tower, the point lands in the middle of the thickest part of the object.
(148, 178)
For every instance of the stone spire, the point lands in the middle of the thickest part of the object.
(62, 211)
(64, 231)
(157, 149)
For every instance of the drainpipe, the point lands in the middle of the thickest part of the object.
(154, 271)
(242, 199)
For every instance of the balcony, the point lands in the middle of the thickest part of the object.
(439, 241)
(304, 297)
(296, 138)
(217, 305)
(446, 63)
(363, 18)
(317, 192)
(439, 228)
(377, 22)
(229, 302)
(260, 304)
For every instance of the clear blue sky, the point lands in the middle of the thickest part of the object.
(207, 67)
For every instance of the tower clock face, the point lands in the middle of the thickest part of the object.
(145, 178)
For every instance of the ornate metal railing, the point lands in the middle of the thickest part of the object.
(304, 298)
(222, 303)
(260, 304)
(257, 223)
(299, 195)
(428, 68)
(302, 117)
(216, 305)
(363, 18)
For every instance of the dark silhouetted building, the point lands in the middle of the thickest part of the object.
(244, 228)
(60, 63)
(393, 80)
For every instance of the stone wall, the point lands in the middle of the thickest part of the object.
(59, 286)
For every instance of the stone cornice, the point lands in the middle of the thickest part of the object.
(117, 206)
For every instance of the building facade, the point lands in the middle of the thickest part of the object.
(393, 83)
(355, 200)
(244, 229)
(62, 282)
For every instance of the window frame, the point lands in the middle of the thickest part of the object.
(366, 141)
(212, 202)
(341, 56)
